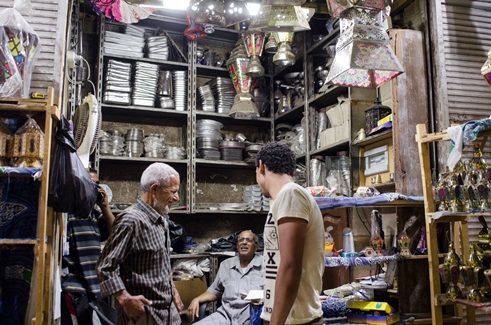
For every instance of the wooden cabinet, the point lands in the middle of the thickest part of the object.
(46, 244)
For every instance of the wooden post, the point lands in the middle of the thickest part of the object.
(431, 234)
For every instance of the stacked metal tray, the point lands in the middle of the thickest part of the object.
(157, 47)
(165, 89)
(180, 84)
(117, 83)
(206, 99)
(208, 137)
(224, 94)
(232, 150)
(123, 44)
(145, 84)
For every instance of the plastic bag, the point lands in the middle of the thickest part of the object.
(177, 236)
(19, 46)
(71, 189)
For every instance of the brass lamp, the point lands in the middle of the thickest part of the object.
(254, 44)
(271, 47)
(284, 55)
(363, 57)
(486, 69)
(237, 65)
(282, 18)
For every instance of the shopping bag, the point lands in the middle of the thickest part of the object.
(71, 189)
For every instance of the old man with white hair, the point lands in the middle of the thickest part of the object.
(134, 267)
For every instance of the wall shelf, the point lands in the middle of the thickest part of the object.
(211, 71)
(225, 117)
(223, 163)
(136, 111)
(332, 149)
(175, 65)
(143, 159)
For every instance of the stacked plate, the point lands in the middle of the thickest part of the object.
(157, 48)
(232, 150)
(134, 142)
(111, 143)
(207, 100)
(135, 31)
(224, 93)
(123, 44)
(208, 137)
(253, 197)
(117, 83)
(180, 90)
(173, 152)
(251, 152)
(145, 86)
(154, 145)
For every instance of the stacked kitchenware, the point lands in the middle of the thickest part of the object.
(224, 93)
(251, 152)
(157, 47)
(117, 83)
(135, 31)
(232, 150)
(145, 86)
(134, 142)
(165, 89)
(111, 143)
(129, 44)
(208, 137)
(180, 90)
(175, 152)
(154, 145)
(207, 101)
(254, 198)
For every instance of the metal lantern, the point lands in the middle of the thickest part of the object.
(235, 12)
(336, 7)
(282, 18)
(237, 65)
(363, 57)
(486, 68)
(208, 12)
(254, 43)
(271, 46)
(284, 55)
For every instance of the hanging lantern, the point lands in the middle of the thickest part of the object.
(271, 47)
(235, 12)
(282, 18)
(486, 69)
(237, 65)
(363, 57)
(336, 7)
(284, 55)
(254, 43)
(208, 12)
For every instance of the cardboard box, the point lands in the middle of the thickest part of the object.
(190, 289)
(328, 137)
(371, 312)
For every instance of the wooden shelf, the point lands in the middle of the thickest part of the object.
(331, 149)
(447, 216)
(477, 305)
(373, 139)
(328, 97)
(420, 257)
(18, 241)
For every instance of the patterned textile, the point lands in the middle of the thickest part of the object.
(339, 202)
(18, 208)
(15, 283)
(330, 261)
(84, 239)
(473, 128)
(333, 307)
(136, 257)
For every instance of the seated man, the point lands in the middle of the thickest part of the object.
(236, 276)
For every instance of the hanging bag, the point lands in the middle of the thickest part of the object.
(71, 189)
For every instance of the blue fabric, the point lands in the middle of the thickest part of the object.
(343, 202)
(18, 208)
(15, 278)
(473, 128)
(333, 307)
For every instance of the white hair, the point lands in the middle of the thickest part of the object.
(157, 173)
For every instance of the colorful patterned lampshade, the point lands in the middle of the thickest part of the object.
(364, 57)
(237, 65)
(254, 44)
(284, 55)
(486, 68)
(282, 18)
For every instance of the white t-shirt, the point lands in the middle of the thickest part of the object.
(294, 201)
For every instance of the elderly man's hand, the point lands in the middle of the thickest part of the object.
(176, 298)
(193, 309)
(133, 306)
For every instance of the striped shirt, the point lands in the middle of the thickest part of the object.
(136, 257)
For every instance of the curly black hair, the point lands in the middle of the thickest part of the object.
(277, 157)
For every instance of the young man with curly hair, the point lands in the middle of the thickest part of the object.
(293, 242)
